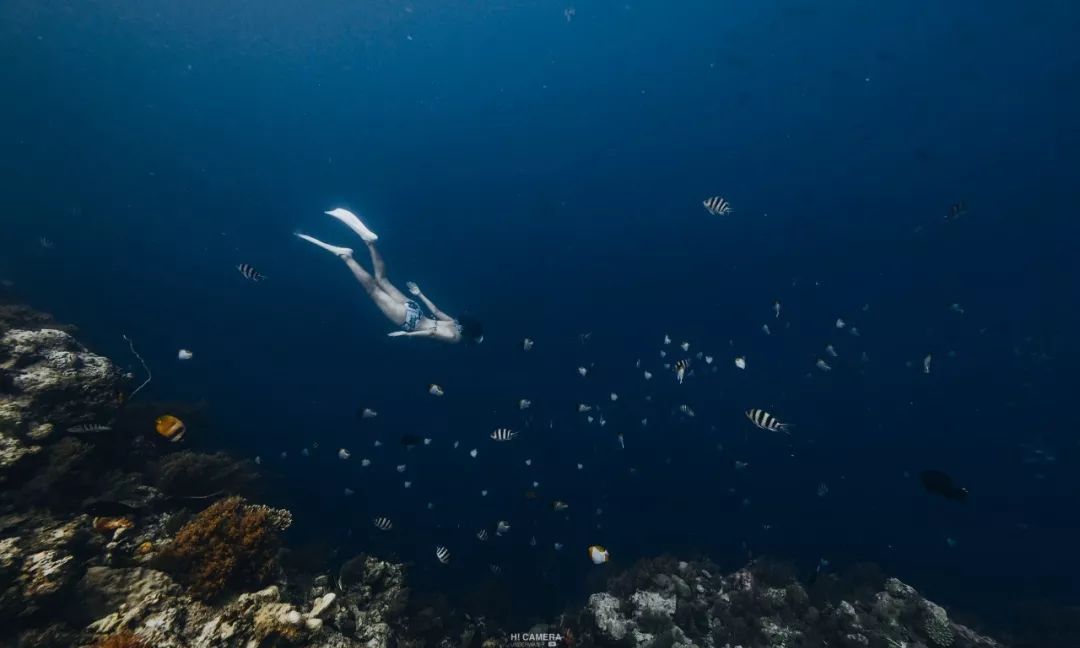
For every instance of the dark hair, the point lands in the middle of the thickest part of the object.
(472, 331)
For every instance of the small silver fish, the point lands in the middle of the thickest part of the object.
(435, 390)
(821, 364)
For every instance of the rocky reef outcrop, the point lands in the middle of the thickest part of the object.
(109, 538)
(49, 382)
(677, 604)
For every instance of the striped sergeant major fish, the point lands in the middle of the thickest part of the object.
(717, 206)
(767, 421)
(503, 434)
(680, 369)
(482, 535)
(250, 273)
(383, 523)
(88, 428)
(443, 554)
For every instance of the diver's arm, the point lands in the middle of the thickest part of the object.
(432, 308)
(429, 332)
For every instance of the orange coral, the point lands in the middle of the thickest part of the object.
(228, 546)
(122, 639)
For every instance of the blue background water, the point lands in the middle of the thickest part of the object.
(546, 175)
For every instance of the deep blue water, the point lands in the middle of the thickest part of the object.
(547, 175)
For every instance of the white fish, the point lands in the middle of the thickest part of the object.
(284, 455)
(258, 460)
(536, 484)
(583, 371)
(377, 444)
(442, 554)
(680, 370)
(532, 541)
(854, 330)
(667, 339)
(864, 357)
(365, 462)
(401, 468)
(524, 404)
(739, 465)
(685, 409)
(343, 453)
(840, 323)
(717, 206)
(824, 366)
(589, 419)
(368, 413)
(740, 362)
(427, 441)
(644, 422)
(456, 444)
(622, 442)
(502, 527)
(708, 359)
(663, 354)
(435, 390)
(765, 327)
(349, 491)
(582, 408)
(685, 346)
(614, 397)
(527, 344)
(956, 308)
(926, 363)
(184, 354)
(598, 555)
(603, 421)
(831, 350)
(305, 452)
(46, 243)
(472, 453)
(648, 375)
(776, 308)
(408, 484)
(483, 493)
(528, 462)
(558, 546)
(580, 466)
(430, 506)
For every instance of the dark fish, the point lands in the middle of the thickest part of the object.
(250, 273)
(411, 440)
(956, 210)
(108, 508)
(939, 483)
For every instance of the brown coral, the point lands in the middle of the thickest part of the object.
(229, 546)
(122, 639)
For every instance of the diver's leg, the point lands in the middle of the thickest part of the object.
(380, 274)
(346, 255)
(352, 221)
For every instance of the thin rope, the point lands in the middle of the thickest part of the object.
(131, 345)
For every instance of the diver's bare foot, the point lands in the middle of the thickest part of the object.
(339, 252)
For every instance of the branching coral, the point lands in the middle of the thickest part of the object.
(228, 546)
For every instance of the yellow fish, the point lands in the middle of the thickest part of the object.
(170, 427)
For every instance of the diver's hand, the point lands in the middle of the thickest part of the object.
(395, 334)
(413, 288)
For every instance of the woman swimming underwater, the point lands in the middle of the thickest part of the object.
(401, 310)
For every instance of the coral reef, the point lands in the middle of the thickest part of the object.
(50, 382)
(122, 639)
(229, 546)
(192, 474)
(683, 604)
